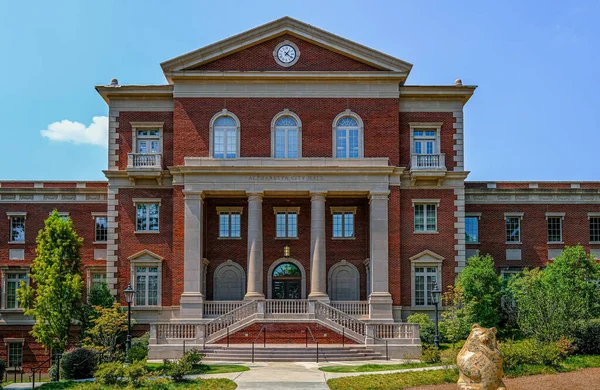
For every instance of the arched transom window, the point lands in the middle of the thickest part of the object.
(348, 136)
(286, 138)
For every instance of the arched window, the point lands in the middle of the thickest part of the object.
(229, 282)
(348, 135)
(286, 279)
(286, 135)
(225, 135)
(344, 282)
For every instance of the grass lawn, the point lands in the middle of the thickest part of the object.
(204, 384)
(376, 367)
(204, 369)
(410, 379)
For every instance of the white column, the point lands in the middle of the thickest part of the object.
(318, 268)
(192, 299)
(380, 300)
(255, 247)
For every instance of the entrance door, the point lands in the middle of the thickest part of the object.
(286, 282)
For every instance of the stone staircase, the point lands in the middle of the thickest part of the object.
(288, 353)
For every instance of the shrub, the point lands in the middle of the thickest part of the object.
(136, 372)
(530, 351)
(430, 354)
(2, 368)
(194, 357)
(139, 348)
(53, 372)
(110, 373)
(177, 369)
(587, 337)
(78, 364)
(426, 325)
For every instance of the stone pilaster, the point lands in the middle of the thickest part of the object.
(191, 302)
(255, 247)
(380, 300)
(318, 268)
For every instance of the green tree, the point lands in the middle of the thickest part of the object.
(458, 317)
(55, 294)
(426, 327)
(482, 290)
(107, 329)
(99, 296)
(550, 303)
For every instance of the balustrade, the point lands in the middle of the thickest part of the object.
(428, 161)
(353, 308)
(218, 308)
(144, 160)
(176, 331)
(286, 306)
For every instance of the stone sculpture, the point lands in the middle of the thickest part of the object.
(480, 361)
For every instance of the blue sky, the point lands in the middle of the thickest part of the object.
(535, 115)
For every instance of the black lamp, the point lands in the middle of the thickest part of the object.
(436, 294)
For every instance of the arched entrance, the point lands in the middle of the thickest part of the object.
(286, 281)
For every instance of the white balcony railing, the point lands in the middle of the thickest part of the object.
(354, 308)
(144, 160)
(428, 161)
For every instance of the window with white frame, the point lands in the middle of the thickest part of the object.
(17, 228)
(426, 278)
(286, 222)
(13, 281)
(225, 141)
(15, 353)
(343, 221)
(425, 141)
(595, 228)
(101, 223)
(146, 286)
(513, 228)
(425, 219)
(471, 229)
(347, 138)
(554, 229)
(148, 141)
(286, 138)
(147, 216)
(229, 222)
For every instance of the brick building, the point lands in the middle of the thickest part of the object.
(287, 176)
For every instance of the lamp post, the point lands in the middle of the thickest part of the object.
(129, 297)
(435, 297)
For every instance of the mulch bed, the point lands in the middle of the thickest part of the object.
(587, 379)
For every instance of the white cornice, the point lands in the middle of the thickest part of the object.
(286, 25)
(283, 75)
(437, 92)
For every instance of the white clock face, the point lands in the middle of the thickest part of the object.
(286, 54)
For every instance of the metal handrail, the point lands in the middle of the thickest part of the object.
(262, 328)
(34, 369)
(387, 357)
(315, 340)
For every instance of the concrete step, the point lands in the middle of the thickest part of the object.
(288, 353)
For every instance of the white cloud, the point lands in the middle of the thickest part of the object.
(67, 131)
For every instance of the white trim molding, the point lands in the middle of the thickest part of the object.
(426, 201)
(554, 214)
(425, 259)
(277, 263)
(148, 259)
(11, 214)
(284, 43)
(287, 210)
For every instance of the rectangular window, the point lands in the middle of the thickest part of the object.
(229, 224)
(425, 218)
(101, 229)
(425, 281)
(17, 229)
(147, 217)
(554, 229)
(286, 225)
(425, 142)
(225, 143)
(472, 229)
(13, 280)
(146, 284)
(513, 229)
(594, 229)
(148, 141)
(15, 354)
(343, 224)
(97, 280)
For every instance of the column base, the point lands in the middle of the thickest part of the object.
(191, 306)
(319, 296)
(253, 296)
(380, 307)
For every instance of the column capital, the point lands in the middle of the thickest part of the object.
(378, 195)
(317, 196)
(255, 196)
(193, 195)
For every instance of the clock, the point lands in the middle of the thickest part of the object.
(286, 53)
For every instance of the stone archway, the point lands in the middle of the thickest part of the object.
(344, 282)
(229, 282)
(277, 263)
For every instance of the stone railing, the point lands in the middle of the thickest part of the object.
(330, 313)
(226, 320)
(176, 331)
(396, 331)
(358, 309)
(144, 160)
(428, 161)
(286, 306)
(218, 308)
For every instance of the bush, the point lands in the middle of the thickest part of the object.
(426, 325)
(431, 354)
(78, 364)
(2, 368)
(587, 337)
(139, 348)
(53, 372)
(110, 374)
(530, 351)
(136, 372)
(178, 369)
(194, 357)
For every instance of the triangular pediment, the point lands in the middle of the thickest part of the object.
(145, 255)
(294, 30)
(427, 256)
